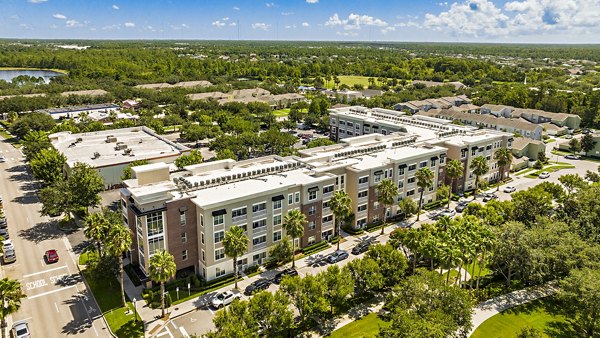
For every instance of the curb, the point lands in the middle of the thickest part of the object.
(95, 302)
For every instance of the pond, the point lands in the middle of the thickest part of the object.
(9, 74)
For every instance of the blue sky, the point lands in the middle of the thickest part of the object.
(539, 21)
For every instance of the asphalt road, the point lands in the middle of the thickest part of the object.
(58, 303)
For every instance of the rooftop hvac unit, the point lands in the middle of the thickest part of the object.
(127, 151)
(79, 139)
(96, 155)
(111, 139)
(196, 184)
(120, 146)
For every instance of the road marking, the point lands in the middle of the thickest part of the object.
(50, 292)
(41, 272)
(167, 332)
(56, 306)
(184, 332)
(174, 325)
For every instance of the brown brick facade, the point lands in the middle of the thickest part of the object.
(371, 211)
(317, 218)
(175, 229)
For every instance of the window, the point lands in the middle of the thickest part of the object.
(156, 244)
(203, 256)
(182, 217)
(412, 167)
(342, 123)
(259, 207)
(277, 205)
(350, 133)
(258, 258)
(488, 147)
(433, 163)
(202, 237)
(259, 224)
(219, 254)
(473, 151)
(463, 153)
(328, 189)
(361, 222)
(376, 205)
(277, 220)
(362, 207)
(259, 240)
(184, 237)
(410, 192)
(219, 235)
(350, 124)
(400, 184)
(311, 225)
(312, 195)
(325, 204)
(311, 240)
(202, 220)
(363, 194)
(219, 272)
(297, 197)
(154, 222)
(377, 178)
(290, 199)
(218, 220)
(239, 213)
(442, 159)
(363, 180)
(423, 164)
(341, 131)
(184, 255)
(357, 126)
(276, 236)
(312, 210)
(410, 180)
(327, 219)
(400, 171)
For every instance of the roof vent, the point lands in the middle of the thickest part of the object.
(96, 155)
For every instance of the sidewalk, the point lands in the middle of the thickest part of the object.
(493, 306)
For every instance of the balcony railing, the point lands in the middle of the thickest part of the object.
(326, 211)
(239, 219)
(259, 213)
(327, 225)
(363, 199)
(327, 194)
(363, 185)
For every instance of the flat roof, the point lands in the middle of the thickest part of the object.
(143, 142)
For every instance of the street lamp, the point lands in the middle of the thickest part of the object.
(189, 289)
(135, 310)
(177, 289)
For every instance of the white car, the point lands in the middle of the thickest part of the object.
(21, 330)
(544, 175)
(224, 298)
(7, 245)
(509, 189)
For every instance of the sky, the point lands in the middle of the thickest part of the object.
(499, 21)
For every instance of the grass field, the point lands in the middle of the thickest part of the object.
(549, 169)
(367, 326)
(541, 314)
(281, 112)
(23, 68)
(351, 80)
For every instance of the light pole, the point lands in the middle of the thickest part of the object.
(135, 310)
(177, 289)
(189, 293)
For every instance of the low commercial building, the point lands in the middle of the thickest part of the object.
(76, 111)
(110, 151)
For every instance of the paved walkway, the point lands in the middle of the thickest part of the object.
(493, 306)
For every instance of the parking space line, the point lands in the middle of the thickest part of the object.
(184, 332)
(41, 272)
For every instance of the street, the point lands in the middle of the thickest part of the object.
(58, 302)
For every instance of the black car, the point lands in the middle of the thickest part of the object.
(261, 284)
(360, 248)
(286, 272)
(461, 206)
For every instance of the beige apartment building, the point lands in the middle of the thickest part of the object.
(188, 212)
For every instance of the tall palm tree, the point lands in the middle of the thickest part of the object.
(235, 244)
(424, 180)
(504, 157)
(454, 170)
(10, 296)
(162, 268)
(386, 194)
(341, 206)
(96, 227)
(480, 167)
(293, 223)
(119, 242)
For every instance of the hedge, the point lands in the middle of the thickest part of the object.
(309, 250)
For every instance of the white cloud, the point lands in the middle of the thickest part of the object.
(53, 26)
(287, 13)
(59, 16)
(270, 4)
(474, 17)
(305, 24)
(443, 4)
(312, 1)
(236, 8)
(218, 24)
(232, 24)
(225, 18)
(291, 26)
(261, 25)
(25, 26)
(36, 1)
(14, 17)
(115, 7)
(111, 27)
(129, 25)
(150, 28)
(355, 21)
(408, 24)
(179, 27)
(388, 29)
(347, 33)
(75, 23)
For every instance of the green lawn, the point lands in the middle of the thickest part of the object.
(351, 80)
(541, 314)
(281, 112)
(549, 169)
(367, 326)
(473, 269)
(108, 295)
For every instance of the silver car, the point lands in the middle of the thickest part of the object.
(21, 330)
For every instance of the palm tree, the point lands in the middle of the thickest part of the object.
(386, 194)
(10, 296)
(119, 242)
(162, 268)
(424, 180)
(504, 157)
(480, 167)
(341, 206)
(293, 223)
(454, 170)
(96, 227)
(235, 244)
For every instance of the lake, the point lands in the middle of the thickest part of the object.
(8, 75)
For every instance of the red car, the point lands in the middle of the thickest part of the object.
(51, 256)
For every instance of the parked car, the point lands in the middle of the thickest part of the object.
(569, 136)
(261, 284)
(337, 256)
(2, 159)
(9, 256)
(447, 213)
(544, 175)
(488, 197)
(4, 233)
(509, 189)
(361, 247)
(51, 256)
(462, 206)
(572, 157)
(224, 298)
(21, 330)
(3, 224)
(7, 245)
(287, 272)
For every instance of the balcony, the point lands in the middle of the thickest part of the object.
(326, 211)
(361, 213)
(259, 213)
(327, 225)
(327, 195)
(259, 231)
(362, 199)
(363, 185)
(259, 246)
(239, 219)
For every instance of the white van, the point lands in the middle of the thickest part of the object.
(9, 256)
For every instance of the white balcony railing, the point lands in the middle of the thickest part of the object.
(239, 219)
(259, 213)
